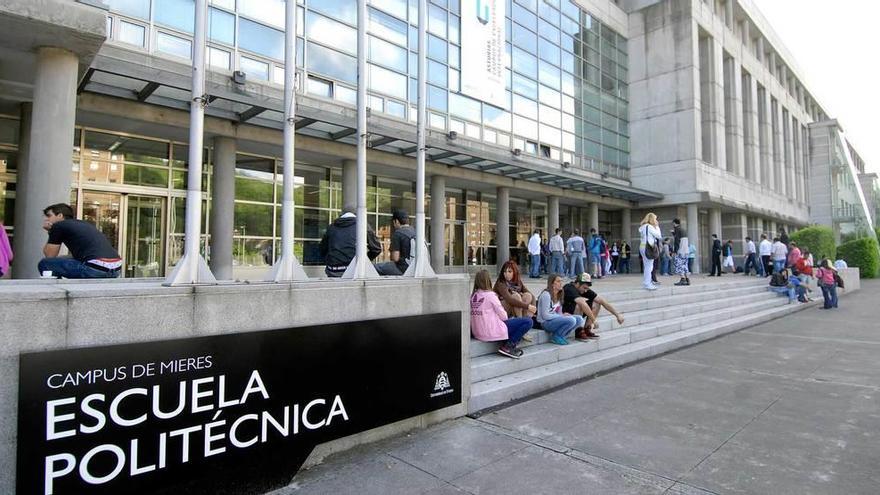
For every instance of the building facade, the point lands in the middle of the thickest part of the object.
(692, 109)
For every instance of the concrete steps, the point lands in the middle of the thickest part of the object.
(675, 319)
(672, 302)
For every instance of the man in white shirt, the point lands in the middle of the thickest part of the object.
(535, 254)
(557, 253)
(765, 249)
(751, 258)
(840, 265)
(576, 249)
(780, 253)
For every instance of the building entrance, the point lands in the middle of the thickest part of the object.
(134, 224)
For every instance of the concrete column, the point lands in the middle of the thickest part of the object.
(349, 183)
(593, 219)
(502, 218)
(438, 223)
(728, 14)
(765, 139)
(223, 207)
(715, 225)
(552, 215)
(751, 146)
(733, 113)
(773, 230)
(790, 157)
(779, 150)
(47, 179)
(693, 232)
(626, 224)
(712, 101)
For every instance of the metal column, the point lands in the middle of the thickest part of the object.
(287, 267)
(192, 268)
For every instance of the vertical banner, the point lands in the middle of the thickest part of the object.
(224, 414)
(482, 50)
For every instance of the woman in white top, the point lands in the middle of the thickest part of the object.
(649, 231)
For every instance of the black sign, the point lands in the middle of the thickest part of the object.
(233, 413)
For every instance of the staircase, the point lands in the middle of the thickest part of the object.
(655, 323)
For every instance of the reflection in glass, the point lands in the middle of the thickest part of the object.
(178, 14)
(260, 39)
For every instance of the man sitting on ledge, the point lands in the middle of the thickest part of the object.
(339, 244)
(92, 256)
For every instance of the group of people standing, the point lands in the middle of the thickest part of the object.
(575, 255)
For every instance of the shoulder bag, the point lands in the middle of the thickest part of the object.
(651, 250)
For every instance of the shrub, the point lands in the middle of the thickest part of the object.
(863, 253)
(818, 239)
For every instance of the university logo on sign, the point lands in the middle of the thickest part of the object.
(225, 414)
(482, 50)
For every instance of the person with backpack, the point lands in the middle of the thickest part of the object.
(625, 255)
(402, 244)
(339, 243)
(680, 252)
(595, 254)
(649, 248)
(489, 320)
(827, 277)
(716, 257)
(550, 315)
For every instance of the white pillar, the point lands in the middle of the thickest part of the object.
(553, 215)
(712, 101)
(751, 128)
(222, 207)
(766, 139)
(715, 226)
(45, 178)
(733, 112)
(626, 225)
(502, 219)
(360, 266)
(192, 268)
(593, 219)
(693, 231)
(779, 150)
(438, 222)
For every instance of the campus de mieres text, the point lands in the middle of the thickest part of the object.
(69, 417)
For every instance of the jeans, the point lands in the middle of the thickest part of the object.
(664, 265)
(778, 265)
(750, 262)
(535, 269)
(649, 266)
(71, 268)
(690, 265)
(563, 325)
(388, 268)
(829, 293)
(766, 265)
(577, 264)
(624, 265)
(557, 263)
(785, 290)
(516, 328)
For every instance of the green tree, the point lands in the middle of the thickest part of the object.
(863, 253)
(818, 239)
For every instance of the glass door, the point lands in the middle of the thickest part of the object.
(103, 210)
(144, 236)
(455, 245)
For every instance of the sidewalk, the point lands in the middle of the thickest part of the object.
(788, 407)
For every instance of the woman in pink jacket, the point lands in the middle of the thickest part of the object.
(489, 321)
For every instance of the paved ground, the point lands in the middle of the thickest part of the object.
(788, 407)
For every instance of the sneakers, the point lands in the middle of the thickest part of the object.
(510, 351)
(556, 339)
(651, 287)
(526, 337)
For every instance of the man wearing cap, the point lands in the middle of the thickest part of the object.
(581, 299)
(402, 241)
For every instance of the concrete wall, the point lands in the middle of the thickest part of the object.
(39, 316)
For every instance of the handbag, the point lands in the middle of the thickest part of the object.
(651, 250)
(838, 280)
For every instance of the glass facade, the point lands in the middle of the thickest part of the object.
(133, 188)
(567, 97)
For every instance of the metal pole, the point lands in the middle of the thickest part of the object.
(422, 265)
(192, 268)
(360, 266)
(287, 267)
